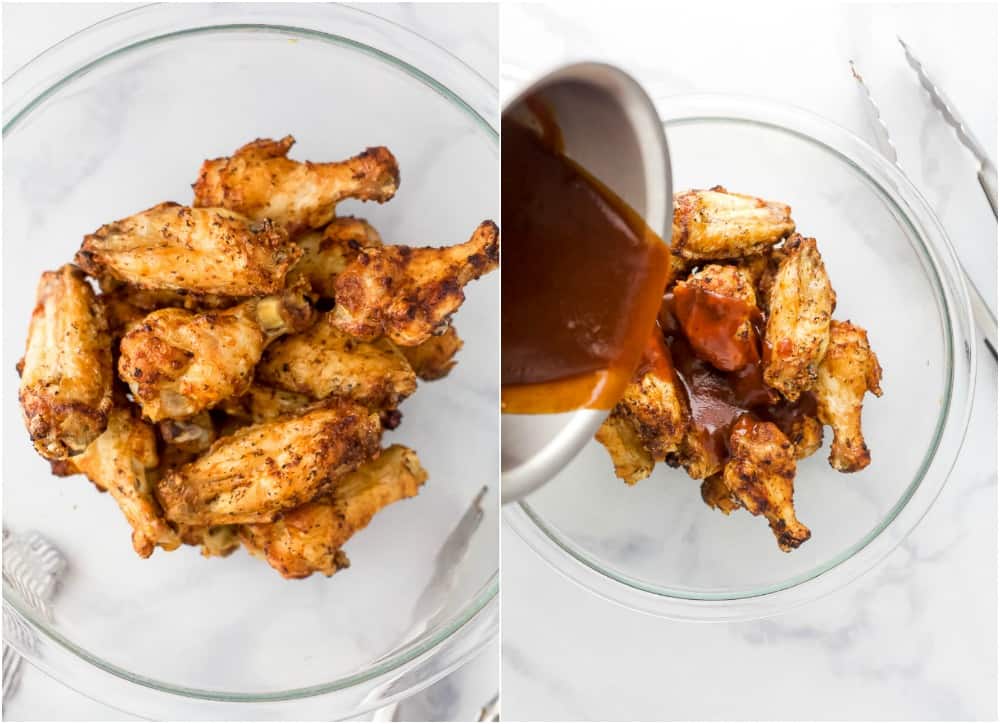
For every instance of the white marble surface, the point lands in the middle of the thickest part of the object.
(916, 638)
(470, 32)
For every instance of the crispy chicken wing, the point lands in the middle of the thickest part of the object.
(323, 361)
(308, 539)
(152, 299)
(120, 461)
(717, 224)
(697, 455)
(260, 181)
(805, 432)
(407, 293)
(760, 475)
(716, 495)
(262, 404)
(632, 461)
(202, 251)
(121, 314)
(798, 326)
(435, 357)
(258, 471)
(767, 271)
(652, 415)
(178, 363)
(66, 375)
(325, 254)
(849, 369)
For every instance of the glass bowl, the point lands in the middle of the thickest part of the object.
(657, 547)
(118, 118)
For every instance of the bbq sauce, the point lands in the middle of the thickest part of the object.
(582, 279)
(718, 398)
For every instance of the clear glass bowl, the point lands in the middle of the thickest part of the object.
(657, 547)
(118, 118)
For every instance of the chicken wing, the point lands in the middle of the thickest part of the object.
(760, 475)
(120, 461)
(849, 369)
(122, 315)
(66, 374)
(323, 361)
(258, 471)
(631, 459)
(698, 455)
(716, 307)
(202, 251)
(262, 404)
(152, 299)
(652, 416)
(435, 357)
(325, 254)
(178, 363)
(716, 224)
(260, 181)
(716, 495)
(798, 326)
(308, 539)
(805, 432)
(407, 293)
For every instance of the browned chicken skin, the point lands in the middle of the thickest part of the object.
(178, 363)
(806, 435)
(207, 251)
(323, 361)
(800, 303)
(120, 461)
(262, 404)
(716, 224)
(849, 369)
(649, 423)
(308, 539)
(760, 475)
(254, 474)
(325, 254)
(409, 294)
(261, 182)
(435, 357)
(66, 375)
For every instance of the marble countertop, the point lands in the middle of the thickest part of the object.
(916, 637)
(470, 32)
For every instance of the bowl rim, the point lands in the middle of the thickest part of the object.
(49, 71)
(941, 265)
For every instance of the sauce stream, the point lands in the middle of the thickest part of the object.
(582, 279)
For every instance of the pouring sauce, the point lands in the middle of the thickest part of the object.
(582, 279)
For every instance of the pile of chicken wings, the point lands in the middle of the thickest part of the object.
(230, 381)
(745, 248)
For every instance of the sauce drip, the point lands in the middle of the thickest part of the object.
(716, 326)
(582, 279)
(718, 398)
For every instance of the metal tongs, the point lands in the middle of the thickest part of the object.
(985, 318)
